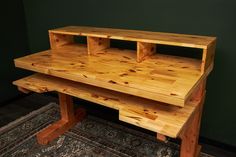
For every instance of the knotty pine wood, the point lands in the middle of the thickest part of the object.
(165, 119)
(194, 41)
(164, 78)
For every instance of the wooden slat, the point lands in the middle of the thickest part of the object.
(164, 78)
(193, 41)
(155, 116)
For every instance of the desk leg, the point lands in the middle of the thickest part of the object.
(68, 119)
(189, 144)
(189, 139)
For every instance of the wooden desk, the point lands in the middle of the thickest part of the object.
(158, 92)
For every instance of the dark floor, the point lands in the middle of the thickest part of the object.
(23, 105)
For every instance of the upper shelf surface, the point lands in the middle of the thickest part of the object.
(194, 41)
(169, 79)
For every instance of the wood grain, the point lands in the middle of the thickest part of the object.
(155, 116)
(164, 78)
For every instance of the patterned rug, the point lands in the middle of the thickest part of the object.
(93, 137)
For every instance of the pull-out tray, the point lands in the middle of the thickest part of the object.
(165, 119)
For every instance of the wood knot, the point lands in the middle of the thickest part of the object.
(131, 70)
(113, 82)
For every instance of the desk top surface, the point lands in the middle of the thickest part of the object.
(164, 78)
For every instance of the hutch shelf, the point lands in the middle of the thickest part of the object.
(159, 92)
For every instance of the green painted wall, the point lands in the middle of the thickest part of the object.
(209, 17)
(13, 44)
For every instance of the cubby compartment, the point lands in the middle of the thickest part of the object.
(63, 41)
(80, 40)
(185, 52)
(144, 50)
(124, 44)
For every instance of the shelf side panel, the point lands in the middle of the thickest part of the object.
(58, 40)
(144, 50)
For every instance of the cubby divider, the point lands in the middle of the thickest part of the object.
(58, 40)
(96, 44)
(144, 50)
